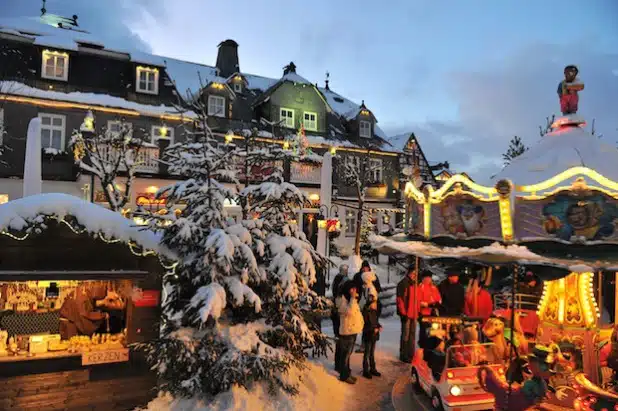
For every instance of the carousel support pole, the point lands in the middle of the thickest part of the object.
(600, 301)
(415, 305)
(516, 270)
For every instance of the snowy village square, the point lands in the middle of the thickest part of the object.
(287, 206)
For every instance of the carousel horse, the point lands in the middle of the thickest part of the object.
(494, 330)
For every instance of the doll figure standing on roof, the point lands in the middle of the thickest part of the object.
(568, 90)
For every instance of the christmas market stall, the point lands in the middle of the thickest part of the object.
(78, 285)
(553, 210)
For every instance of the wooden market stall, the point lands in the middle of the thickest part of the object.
(53, 249)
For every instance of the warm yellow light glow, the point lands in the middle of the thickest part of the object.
(364, 112)
(314, 197)
(152, 69)
(286, 145)
(89, 121)
(218, 86)
(561, 300)
(410, 190)
(568, 174)
(333, 150)
(152, 189)
(163, 131)
(80, 106)
(427, 219)
(506, 222)
(229, 137)
(460, 178)
(321, 223)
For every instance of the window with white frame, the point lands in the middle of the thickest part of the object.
(354, 161)
(1, 126)
(115, 126)
(147, 80)
(286, 117)
(162, 132)
(55, 65)
(375, 165)
(350, 223)
(365, 129)
(311, 121)
(216, 106)
(237, 87)
(53, 127)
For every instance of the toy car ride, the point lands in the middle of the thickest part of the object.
(449, 377)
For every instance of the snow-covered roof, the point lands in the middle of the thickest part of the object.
(399, 141)
(559, 150)
(184, 74)
(20, 89)
(18, 214)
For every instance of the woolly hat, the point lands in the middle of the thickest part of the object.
(426, 273)
(433, 342)
(365, 264)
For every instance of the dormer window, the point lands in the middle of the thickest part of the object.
(55, 65)
(311, 121)
(216, 106)
(286, 117)
(147, 80)
(237, 87)
(365, 129)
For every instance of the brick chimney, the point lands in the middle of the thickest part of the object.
(227, 58)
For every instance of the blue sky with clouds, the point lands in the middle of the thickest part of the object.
(464, 75)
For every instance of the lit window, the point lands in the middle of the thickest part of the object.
(4, 198)
(216, 106)
(2, 126)
(286, 117)
(55, 65)
(350, 223)
(311, 121)
(376, 169)
(147, 80)
(52, 131)
(162, 132)
(237, 87)
(365, 129)
(115, 127)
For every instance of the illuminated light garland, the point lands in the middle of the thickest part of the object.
(460, 178)
(567, 174)
(410, 190)
(561, 299)
(506, 221)
(427, 220)
(68, 105)
(460, 192)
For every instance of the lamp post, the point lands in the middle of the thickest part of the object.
(328, 220)
(88, 133)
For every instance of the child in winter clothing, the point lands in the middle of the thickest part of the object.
(351, 325)
(338, 282)
(371, 334)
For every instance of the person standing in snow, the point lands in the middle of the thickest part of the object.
(351, 324)
(408, 314)
(358, 277)
(371, 334)
(453, 295)
(340, 279)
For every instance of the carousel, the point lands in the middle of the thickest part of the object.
(553, 211)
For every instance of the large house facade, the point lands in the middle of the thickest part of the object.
(59, 73)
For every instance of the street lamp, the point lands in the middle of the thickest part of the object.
(88, 133)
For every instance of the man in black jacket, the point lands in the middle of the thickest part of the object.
(453, 295)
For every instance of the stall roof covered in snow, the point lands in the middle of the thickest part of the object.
(18, 214)
(559, 150)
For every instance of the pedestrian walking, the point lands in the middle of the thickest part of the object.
(408, 313)
(351, 325)
(371, 334)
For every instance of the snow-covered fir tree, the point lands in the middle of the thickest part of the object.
(516, 148)
(108, 155)
(237, 301)
(367, 228)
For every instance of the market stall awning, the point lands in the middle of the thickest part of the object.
(496, 254)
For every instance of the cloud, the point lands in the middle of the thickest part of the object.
(513, 97)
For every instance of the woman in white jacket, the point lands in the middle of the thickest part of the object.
(351, 324)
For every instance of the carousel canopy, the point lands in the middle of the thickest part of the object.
(495, 255)
(568, 145)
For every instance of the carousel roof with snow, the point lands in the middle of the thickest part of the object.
(568, 145)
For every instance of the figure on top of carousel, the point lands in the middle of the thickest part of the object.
(568, 90)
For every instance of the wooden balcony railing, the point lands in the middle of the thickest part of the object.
(307, 173)
(147, 158)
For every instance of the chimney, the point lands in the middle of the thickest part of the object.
(327, 80)
(227, 58)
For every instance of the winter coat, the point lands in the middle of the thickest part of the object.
(430, 295)
(350, 316)
(337, 282)
(371, 319)
(484, 305)
(453, 298)
(405, 298)
(522, 397)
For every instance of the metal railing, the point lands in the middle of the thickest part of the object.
(522, 301)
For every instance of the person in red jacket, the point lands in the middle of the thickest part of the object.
(428, 298)
(478, 302)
